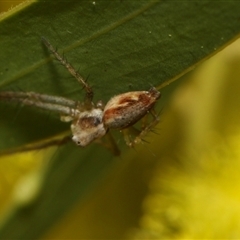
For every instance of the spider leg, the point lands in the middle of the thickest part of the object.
(39, 145)
(40, 97)
(56, 104)
(71, 69)
(139, 135)
(128, 134)
(109, 143)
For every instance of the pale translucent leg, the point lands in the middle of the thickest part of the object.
(139, 135)
(52, 103)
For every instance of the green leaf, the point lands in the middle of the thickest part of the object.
(119, 46)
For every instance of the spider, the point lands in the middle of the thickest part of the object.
(92, 121)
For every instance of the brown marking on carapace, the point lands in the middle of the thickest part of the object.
(88, 122)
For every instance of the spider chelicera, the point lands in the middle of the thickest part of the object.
(92, 121)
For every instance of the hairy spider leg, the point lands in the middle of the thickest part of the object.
(71, 69)
(140, 134)
(147, 128)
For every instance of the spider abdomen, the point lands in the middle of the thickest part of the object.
(126, 109)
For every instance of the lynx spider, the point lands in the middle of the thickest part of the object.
(92, 121)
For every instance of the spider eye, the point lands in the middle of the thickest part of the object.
(76, 140)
